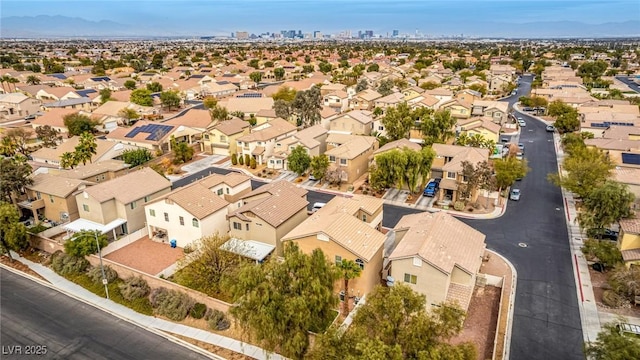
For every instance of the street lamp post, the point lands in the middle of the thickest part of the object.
(104, 278)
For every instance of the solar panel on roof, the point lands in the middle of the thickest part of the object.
(250, 95)
(628, 158)
(101, 78)
(196, 76)
(59, 76)
(223, 82)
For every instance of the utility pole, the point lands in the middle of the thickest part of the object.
(104, 278)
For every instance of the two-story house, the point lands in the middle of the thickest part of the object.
(52, 197)
(346, 229)
(260, 143)
(498, 111)
(312, 139)
(447, 165)
(17, 105)
(483, 126)
(629, 241)
(355, 122)
(364, 100)
(458, 109)
(351, 158)
(221, 138)
(117, 206)
(337, 99)
(438, 256)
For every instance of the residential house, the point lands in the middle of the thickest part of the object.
(110, 116)
(483, 126)
(346, 229)
(351, 158)
(312, 139)
(337, 99)
(117, 206)
(260, 143)
(57, 93)
(468, 96)
(355, 122)
(629, 241)
(221, 137)
(52, 197)
(364, 100)
(629, 176)
(447, 165)
(96, 172)
(498, 111)
(265, 115)
(623, 153)
(153, 136)
(438, 256)
(81, 103)
(105, 150)
(597, 122)
(17, 105)
(396, 145)
(269, 213)
(196, 119)
(54, 118)
(248, 105)
(391, 100)
(457, 108)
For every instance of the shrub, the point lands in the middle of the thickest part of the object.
(458, 205)
(252, 163)
(217, 320)
(65, 264)
(611, 299)
(234, 159)
(133, 288)
(247, 159)
(241, 160)
(198, 311)
(171, 303)
(187, 249)
(95, 274)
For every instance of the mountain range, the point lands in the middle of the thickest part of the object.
(58, 26)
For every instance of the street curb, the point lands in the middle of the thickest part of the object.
(512, 300)
(152, 330)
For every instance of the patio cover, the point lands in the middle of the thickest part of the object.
(255, 250)
(84, 224)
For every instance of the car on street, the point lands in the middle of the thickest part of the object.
(604, 234)
(312, 178)
(521, 148)
(316, 206)
(550, 128)
(521, 122)
(515, 195)
(432, 188)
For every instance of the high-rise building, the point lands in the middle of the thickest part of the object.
(317, 34)
(242, 35)
(395, 33)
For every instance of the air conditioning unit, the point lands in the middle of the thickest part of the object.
(64, 216)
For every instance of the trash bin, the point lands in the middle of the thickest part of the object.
(173, 243)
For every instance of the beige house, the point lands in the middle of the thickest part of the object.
(269, 213)
(498, 111)
(629, 241)
(94, 172)
(117, 205)
(623, 153)
(483, 126)
(312, 139)
(247, 105)
(153, 136)
(105, 150)
(351, 158)
(17, 105)
(458, 109)
(54, 118)
(447, 165)
(221, 138)
(438, 256)
(346, 229)
(364, 100)
(356, 122)
(260, 143)
(52, 197)
(337, 99)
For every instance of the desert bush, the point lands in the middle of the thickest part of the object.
(241, 160)
(65, 264)
(171, 303)
(234, 159)
(95, 274)
(458, 205)
(187, 249)
(217, 320)
(134, 287)
(612, 300)
(198, 311)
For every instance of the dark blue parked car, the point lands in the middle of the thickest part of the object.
(432, 188)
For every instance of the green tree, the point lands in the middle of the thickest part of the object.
(128, 114)
(130, 84)
(373, 68)
(319, 165)
(418, 167)
(136, 157)
(219, 113)
(398, 121)
(78, 123)
(586, 168)
(105, 95)
(13, 234)
(605, 251)
(394, 324)
(210, 102)
(348, 270)
(385, 87)
(33, 80)
(86, 148)
(429, 85)
(283, 109)
(482, 89)
(182, 152)
(362, 85)
(154, 87)
(307, 105)
(611, 344)
(84, 243)
(279, 73)
(606, 204)
(15, 140)
(294, 296)
(170, 99)
(390, 169)
(298, 161)
(479, 176)
(256, 77)
(68, 160)
(509, 170)
(325, 67)
(48, 136)
(14, 176)
(141, 97)
(625, 281)
(284, 93)
(254, 63)
(438, 128)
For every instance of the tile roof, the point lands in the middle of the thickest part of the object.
(55, 185)
(278, 187)
(441, 240)
(362, 116)
(247, 105)
(353, 148)
(195, 118)
(230, 127)
(232, 179)
(272, 129)
(274, 209)
(630, 226)
(54, 153)
(614, 144)
(53, 117)
(460, 294)
(131, 187)
(459, 154)
(197, 200)
(398, 144)
(631, 255)
(626, 175)
(368, 95)
(91, 169)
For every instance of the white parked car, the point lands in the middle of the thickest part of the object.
(515, 195)
(521, 122)
(316, 206)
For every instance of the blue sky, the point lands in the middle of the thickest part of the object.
(223, 16)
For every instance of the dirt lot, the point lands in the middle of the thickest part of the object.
(19, 266)
(599, 283)
(147, 256)
(481, 322)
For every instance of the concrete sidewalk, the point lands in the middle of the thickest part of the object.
(76, 291)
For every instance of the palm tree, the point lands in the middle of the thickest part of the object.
(86, 148)
(348, 270)
(68, 160)
(3, 79)
(12, 80)
(33, 80)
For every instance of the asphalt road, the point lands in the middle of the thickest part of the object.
(33, 315)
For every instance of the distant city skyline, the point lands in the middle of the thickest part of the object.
(435, 18)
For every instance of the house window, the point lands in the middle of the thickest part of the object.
(133, 205)
(38, 195)
(338, 260)
(181, 219)
(223, 138)
(220, 191)
(227, 190)
(206, 136)
(146, 199)
(343, 161)
(451, 175)
(85, 207)
(411, 279)
(152, 212)
(51, 198)
(381, 128)
(166, 216)
(237, 226)
(195, 222)
(364, 217)
(247, 226)
(360, 263)
(332, 158)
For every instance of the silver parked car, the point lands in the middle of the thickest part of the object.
(515, 195)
